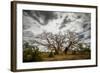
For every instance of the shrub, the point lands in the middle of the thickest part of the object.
(27, 55)
(31, 55)
(51, 54)
(86, 50)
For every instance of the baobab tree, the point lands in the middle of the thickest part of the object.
(53, 42)
(59, 43)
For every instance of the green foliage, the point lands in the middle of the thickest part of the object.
(81, 46)
(86, 50)
(27, 55)
(36, 55)
(31, 54)
(73, 52)
(51, 54)
(26, 45)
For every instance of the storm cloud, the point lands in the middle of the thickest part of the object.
(35, 22)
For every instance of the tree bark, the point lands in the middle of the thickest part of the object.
(67, 48)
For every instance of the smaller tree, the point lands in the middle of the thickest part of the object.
(72, 41)
(84, 47)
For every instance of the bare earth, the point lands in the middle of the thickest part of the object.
(68, 57)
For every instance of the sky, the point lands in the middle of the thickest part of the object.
(36, 22)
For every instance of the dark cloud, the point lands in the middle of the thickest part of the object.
(45, 16)
(81, 36)
(88, 37)
(48, 15)
(85, 25)
(81, 22)
(66, 20)
(79, 16)
(32, 14)
(28, 34)
(26, 27)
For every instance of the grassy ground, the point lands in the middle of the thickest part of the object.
(69, 56)
(76, 56)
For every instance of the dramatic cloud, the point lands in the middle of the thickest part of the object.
(36, 22)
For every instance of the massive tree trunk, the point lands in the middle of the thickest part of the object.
(67, 48)
(56, 52)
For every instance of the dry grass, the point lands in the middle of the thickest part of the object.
(69, 56)
(44, 56)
